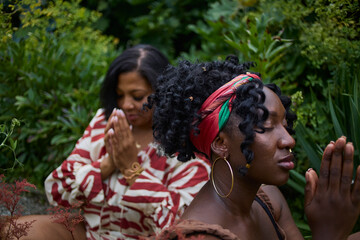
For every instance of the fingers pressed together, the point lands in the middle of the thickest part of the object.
(332, 200)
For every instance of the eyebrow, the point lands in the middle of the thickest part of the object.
(275, 114)
(133, 91)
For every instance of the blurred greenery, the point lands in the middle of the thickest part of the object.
(51, 69)
(54, 54)
(8, 144)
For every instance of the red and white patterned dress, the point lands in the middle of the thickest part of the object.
(112, 208)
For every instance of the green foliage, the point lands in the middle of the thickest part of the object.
(165, 24)
(51, 70)
(216, 23)
(8, 144)
(162, 23)
(228, 29)
(256, 44)
(334, 37)
(344, 116)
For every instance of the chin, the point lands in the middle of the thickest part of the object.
(133, 123)
(140, 124)
(283, 181)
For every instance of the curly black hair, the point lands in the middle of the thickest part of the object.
(145, 59)
(183, 89)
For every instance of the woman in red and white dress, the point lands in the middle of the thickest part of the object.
(126, 185)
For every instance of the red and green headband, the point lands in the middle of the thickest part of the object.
(215, 112)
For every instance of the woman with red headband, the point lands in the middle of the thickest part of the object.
(244, 127)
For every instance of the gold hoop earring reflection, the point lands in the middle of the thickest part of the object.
(213, 181)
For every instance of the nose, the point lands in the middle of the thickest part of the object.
(286, 140)
(127, 103)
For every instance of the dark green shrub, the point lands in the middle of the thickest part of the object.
(7, 143)
(227, 29)
(162, 23)
(51, 69)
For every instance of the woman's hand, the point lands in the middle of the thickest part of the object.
(332, 204)
(119, 141)
(107, 165)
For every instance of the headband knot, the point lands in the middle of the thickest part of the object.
(215, 112)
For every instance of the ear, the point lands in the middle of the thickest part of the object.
(219, 145)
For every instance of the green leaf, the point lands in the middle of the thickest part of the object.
(295, 186)
(308, 147)
(339, 132)
(21, 102)
(277, 50)
(13, 143)
(252, 47)
(303, 226)
(298, 177)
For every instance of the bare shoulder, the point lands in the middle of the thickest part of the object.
(276, 198)
(282, 212)
(354, 236)
(272, 191)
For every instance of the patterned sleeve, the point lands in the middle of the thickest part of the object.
(78, 178)
(164, 200)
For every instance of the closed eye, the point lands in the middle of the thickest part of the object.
(138, 99)
(263, 129)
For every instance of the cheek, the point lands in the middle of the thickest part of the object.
(263, 147)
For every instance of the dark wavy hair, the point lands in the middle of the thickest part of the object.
(148, 61)
(183, 89)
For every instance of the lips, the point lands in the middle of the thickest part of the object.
(287, 162)
(132, 117)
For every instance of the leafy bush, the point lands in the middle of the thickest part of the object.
(227, 29)
(51, 69)
(162, 23)
(7, 142)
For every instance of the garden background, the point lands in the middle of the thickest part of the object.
(54, 54)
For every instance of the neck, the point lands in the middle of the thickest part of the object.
(240, 200)
(142, 129)
(143, 136)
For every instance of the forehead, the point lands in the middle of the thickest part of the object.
(273, 103)
(132, 81)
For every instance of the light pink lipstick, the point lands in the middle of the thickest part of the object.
(287, 162)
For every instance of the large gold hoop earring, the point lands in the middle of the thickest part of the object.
(213, 181)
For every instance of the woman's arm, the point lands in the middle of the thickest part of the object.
(78, 178)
